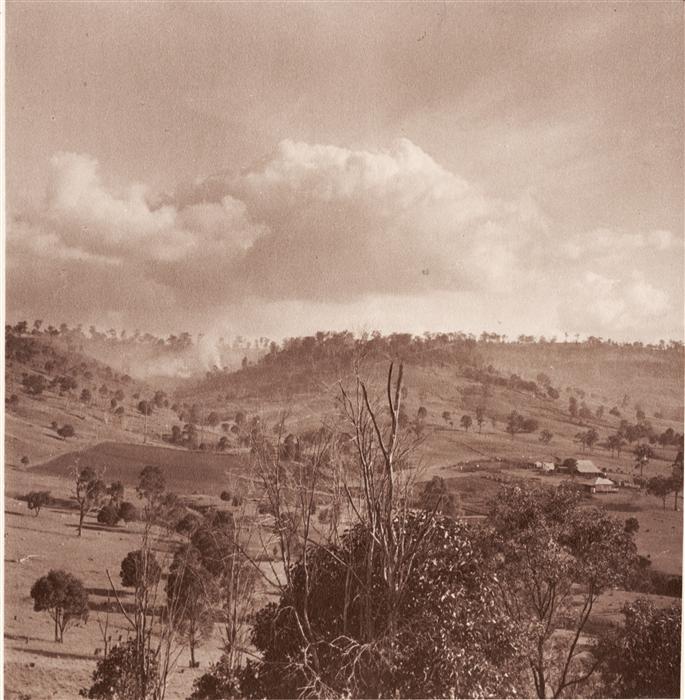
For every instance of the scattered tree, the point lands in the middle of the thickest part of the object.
(546, 436)
(192, 593)
(661, 487)
(548, 552)
(139, 570)
(480, 418)
(615, 443)
(35, 500)
(643, 453)
(34, 384)
(63, 597)
(66, 431)
(89, 492)
(632, 525)
(466, 422)
(436, 497)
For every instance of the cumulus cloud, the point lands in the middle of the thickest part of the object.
(308, 224)
(613, 305)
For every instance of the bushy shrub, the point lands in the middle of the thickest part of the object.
(122, 675)
(128, 512)
(642, 658)
(453, 639)
(66, 431)
(35, 500)
(109, 515)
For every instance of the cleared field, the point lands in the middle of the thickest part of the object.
(34, 664)
(185, 471)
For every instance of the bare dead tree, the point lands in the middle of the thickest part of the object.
(152, 624)
(382, 450)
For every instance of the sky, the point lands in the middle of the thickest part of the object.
(275, 169)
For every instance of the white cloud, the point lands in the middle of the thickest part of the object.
(612, 244)
(605, 305)
(317, 225)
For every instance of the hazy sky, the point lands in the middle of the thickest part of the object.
(273, 169)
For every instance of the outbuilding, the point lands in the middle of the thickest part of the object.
(586, 467)
(601, 485)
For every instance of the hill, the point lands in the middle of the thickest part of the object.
(625, 375)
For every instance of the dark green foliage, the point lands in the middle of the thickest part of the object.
(128, 512)
(632, 525)
(452, 638)
(35, 500)
(66, 431)
(145, 407)
(116, 492)
(63, 597)
(436, 496)
(214, 541)
(643, 657)
(546, 437)
(117, 676)
(191, 594)
(516, 423)
(34, 384)
(544, 544)
(90, 491)
(137, 570)
(219, 683)
(151, 485)
(109, 515)
(661, 487)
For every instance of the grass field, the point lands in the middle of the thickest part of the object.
(36, 666)
(185, 471)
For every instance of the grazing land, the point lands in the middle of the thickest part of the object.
(474, 459)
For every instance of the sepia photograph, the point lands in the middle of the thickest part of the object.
(343, 349)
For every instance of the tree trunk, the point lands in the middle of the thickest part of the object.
(56, 625)
(675, 501)
(82, 515)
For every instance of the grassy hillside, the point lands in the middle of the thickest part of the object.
(185, 471)
(446, 378)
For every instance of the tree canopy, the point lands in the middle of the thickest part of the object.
(63, 597)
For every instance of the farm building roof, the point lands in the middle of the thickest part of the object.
(587, 466)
